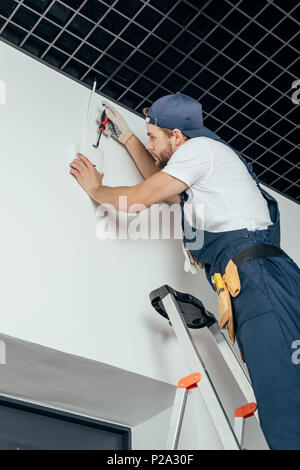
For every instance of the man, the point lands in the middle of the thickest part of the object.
(240, 228)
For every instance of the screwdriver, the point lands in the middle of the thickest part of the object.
(104, 120)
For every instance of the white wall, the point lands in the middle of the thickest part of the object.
(62, 287)
(290, 225)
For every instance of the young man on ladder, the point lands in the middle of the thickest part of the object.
(241, 244)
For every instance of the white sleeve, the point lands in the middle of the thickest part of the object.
(190, 163)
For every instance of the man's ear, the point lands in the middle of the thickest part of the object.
(179, 138)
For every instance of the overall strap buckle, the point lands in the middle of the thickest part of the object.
(183, 197)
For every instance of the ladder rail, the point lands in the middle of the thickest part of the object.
(206, 387)
(233, 364)
(239, 429)
(176, 418)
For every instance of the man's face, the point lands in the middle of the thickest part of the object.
(159, 145)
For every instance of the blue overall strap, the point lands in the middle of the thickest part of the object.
(183, 198)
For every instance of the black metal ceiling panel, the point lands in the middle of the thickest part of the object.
(239, 58)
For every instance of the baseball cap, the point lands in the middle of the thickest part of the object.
(181, 112)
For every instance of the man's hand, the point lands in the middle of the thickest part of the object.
(116, 127)
(86, 174)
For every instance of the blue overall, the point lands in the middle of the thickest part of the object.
(266, 317)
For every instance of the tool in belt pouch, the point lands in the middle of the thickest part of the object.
(228, 285)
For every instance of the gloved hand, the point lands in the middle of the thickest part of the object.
(116, 126)
(191, 264)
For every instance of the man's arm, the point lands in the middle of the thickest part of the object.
(159, 187)
(118, 128)
(138, 152)
(141, 157)
(145, 162)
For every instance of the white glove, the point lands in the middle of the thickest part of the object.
(116, 126)
(191, 263)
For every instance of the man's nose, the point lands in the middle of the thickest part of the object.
(148, 146)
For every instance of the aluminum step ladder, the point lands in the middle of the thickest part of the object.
(185, 311)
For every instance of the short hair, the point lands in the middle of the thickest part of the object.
(168, 132)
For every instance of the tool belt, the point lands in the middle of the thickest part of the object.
(229, 284)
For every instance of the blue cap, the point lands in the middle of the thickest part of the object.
(181, 112)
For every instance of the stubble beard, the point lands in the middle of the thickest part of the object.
(165, 156)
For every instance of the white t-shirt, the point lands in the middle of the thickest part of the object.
(222, 194)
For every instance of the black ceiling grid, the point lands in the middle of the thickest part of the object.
(239, 58)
